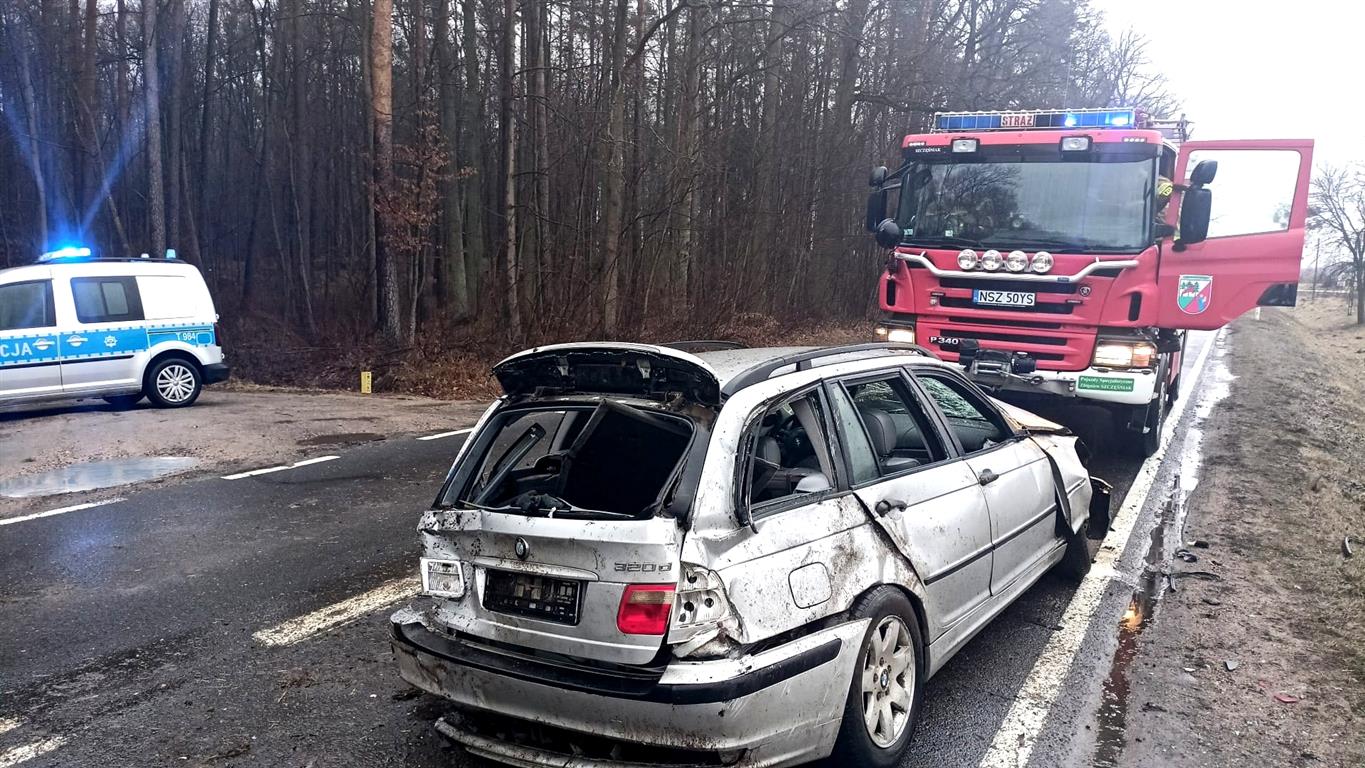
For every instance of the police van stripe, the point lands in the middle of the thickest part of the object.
(89, 344)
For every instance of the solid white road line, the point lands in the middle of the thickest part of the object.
(335, 615)
(8, 724)
(1019, 731)
(281, 468)
(19, 754)
(51, 512)
(440, 435)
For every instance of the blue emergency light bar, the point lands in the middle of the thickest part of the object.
(69, 252)
(1035, 120)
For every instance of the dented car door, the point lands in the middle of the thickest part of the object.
(925, 498)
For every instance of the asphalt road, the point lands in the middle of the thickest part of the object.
(126, 630)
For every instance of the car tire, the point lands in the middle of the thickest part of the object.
(883, 679)
(173, 383)
(124, 401)
(1081, 548)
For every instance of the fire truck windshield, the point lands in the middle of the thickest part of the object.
(1103, 204)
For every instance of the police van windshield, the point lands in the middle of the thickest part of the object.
(1007, 201)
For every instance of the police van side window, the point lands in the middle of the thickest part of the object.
(106, 299)
(27, 305)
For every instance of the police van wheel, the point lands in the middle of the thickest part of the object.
(124, 401)
(174, 383)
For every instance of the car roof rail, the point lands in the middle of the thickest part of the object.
(703, 345)
(806, 360)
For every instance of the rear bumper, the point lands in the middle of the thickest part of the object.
(775, 708)
(215, 373)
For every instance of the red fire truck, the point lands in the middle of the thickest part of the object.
(1051, 253)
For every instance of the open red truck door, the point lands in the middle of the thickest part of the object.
(1257, 205)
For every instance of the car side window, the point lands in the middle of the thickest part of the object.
(27, 305)
(106, 299)
(894, 424)
(976, 426)
(789, 453)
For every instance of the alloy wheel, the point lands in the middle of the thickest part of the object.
(888, 681)
(175, 383)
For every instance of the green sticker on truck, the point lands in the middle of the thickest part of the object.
(1100, 384)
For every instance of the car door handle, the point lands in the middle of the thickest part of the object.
(987, 477)
(885, 506)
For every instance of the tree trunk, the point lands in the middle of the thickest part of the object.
(613, 193)
(509, 161)
(205, 116)
(381, 110)
(475, 220)
(156, 197)
(452, 283)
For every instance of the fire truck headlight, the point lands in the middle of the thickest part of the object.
(967, 259)
(1125, 354)
(1017, 261)
(992, 260)
(1042, 262)
(965, 145)
(1075, 143)
(901, 335)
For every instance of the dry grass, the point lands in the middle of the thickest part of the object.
(454, 363)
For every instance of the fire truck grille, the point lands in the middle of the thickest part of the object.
(1006, 284)
(1039, 309)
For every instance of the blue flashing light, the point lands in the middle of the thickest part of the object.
(1035, 120)
(68, 252)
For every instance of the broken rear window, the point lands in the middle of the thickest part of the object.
(612, 460)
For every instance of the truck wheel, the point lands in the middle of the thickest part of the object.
(1147, 442)
(173, 383)
(1174, 393)
(888, 684)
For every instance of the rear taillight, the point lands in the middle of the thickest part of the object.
(644, 609)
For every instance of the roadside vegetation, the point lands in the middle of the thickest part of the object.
(404, 178)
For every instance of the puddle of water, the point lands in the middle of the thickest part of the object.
(342, 438)
(94, 475)
(1167, 533)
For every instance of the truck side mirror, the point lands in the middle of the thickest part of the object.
(876, 209)
(888, 233)
(1195, 209)
(1203, 173)
(878, 177)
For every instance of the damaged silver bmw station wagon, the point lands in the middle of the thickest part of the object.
(739, 557)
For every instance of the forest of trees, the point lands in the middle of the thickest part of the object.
(527, 169)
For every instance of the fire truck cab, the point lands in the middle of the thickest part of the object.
(1037, 249)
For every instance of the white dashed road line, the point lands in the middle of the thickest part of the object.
(1019, 731)
(50, 513)
(335, 615)
(440, 435)
(281, 468)
(17, 755)
(8, 724)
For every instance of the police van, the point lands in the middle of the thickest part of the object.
(73, 326)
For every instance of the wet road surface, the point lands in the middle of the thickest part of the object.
(131, 632)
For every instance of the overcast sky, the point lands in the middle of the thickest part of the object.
(1246, 73)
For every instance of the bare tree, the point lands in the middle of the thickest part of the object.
(381, 111)
(1338, 198)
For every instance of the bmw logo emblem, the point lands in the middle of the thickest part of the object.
(522, 548)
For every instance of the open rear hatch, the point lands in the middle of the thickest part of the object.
(558, 517)
(638, 370)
